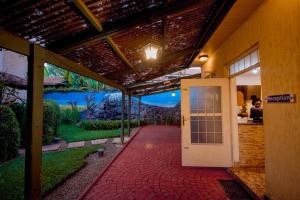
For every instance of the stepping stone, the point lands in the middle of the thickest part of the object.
(51, 147)
(118, 140)
(21, 151)
(76, 144)
(99, 141)
(119, 145)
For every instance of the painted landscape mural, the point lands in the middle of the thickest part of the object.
(163, 108)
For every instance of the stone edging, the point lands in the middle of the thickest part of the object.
(88, 188)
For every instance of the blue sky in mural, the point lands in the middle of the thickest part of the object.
(63, 98)
(165, 99)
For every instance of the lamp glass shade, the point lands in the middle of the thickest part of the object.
(203, 58)
(151, 52)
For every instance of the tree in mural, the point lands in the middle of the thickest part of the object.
(72, 79)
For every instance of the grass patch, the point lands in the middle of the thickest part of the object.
(56, 167)
(72, 133)
(65, 107)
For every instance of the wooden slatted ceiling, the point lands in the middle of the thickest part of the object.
(142, 73)
(111, 10)
(53, 23)
(43, 21)
(97, 55)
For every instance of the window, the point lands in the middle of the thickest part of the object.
(206, 114)
(245, 62)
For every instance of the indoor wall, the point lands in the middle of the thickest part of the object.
(275, 28)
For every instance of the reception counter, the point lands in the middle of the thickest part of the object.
(251, 144)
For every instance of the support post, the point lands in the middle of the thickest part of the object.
(33, 155)
(139, 111)
(129, 113)
(122, 116)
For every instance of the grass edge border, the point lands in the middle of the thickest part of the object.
(69, 175)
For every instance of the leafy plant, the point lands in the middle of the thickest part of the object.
(51, 121)
(70, 116)
(20, 110)
(9, 134)
(106, 124)
(8, 95)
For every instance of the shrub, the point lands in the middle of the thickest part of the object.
(70, 116)
(51, 121)
(106, 124)
(20, 110)
(9, 134)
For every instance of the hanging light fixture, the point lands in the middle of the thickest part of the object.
(151, 51)
(203, 58)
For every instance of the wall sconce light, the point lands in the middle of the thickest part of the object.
(203, 58)
(173, 94)
(151, 51)
(255, 71)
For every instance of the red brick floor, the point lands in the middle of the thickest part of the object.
(150, 168)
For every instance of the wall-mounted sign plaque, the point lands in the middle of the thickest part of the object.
(281, 98)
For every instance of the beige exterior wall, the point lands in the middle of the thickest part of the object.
(275, 27)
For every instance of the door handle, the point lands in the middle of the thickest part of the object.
(182, 120)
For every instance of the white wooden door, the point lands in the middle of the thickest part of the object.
(205, 123)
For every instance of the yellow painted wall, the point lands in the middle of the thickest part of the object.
(275, 27)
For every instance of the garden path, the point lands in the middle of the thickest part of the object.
(149, 167)
(62, 145)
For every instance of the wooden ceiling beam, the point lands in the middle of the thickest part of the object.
(179, 68)
(114, 46)
(158, 90)
(163, 82)
(88, 14)
(97, 24)
(66, 45)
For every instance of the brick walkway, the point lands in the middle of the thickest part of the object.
(150, 168)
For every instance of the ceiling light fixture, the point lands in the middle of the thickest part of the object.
(151, 51)
(203, 58)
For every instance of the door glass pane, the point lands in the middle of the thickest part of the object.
(206, 119)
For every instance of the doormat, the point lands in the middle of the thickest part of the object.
(234, 191)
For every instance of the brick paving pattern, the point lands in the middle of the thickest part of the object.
(150, 168)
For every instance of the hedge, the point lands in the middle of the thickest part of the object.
(9, 134)
(106, 124)
(20, 110)
(51, 120)
(70, 116)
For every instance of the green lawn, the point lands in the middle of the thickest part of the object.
(72, 133)
(56, 167)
